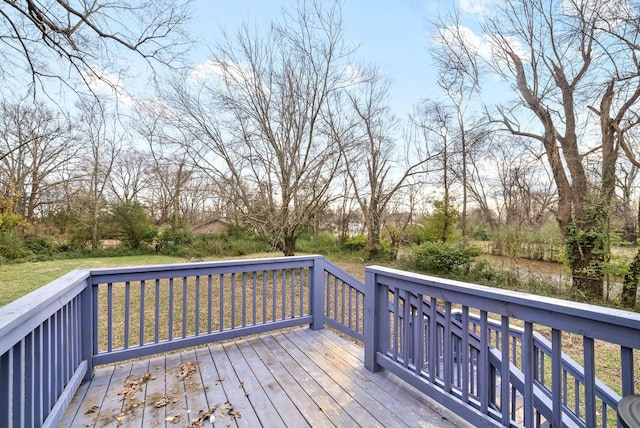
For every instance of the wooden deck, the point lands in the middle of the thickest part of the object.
(297, 378)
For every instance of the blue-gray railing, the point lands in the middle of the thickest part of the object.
(474, 349)
(440, 336)
(51, 339)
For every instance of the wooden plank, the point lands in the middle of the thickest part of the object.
(294, 378)
(194, 388)
(233, 391)
(152, 415)
(133, 403)
(84, 407)
(265, 409)
(211, 379)
(300, 398)
(353, 400)
(321, 397)
(175, 410)
(406, 403)
(287, 411)
(112, 404)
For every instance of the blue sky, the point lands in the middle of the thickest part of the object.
(392, 35)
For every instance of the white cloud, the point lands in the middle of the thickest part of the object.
(485, 46)
(475, 6)
(232, 73)
(100, 80)
(354, 75)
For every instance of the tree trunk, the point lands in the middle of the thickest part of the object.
(289, 248)
(373, 237)
(586, 256)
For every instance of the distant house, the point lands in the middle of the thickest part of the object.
(212, 226)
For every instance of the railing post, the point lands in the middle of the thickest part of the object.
(87, 313)
(317, 293)
(371, 321)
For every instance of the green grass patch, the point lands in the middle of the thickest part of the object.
(19, 279)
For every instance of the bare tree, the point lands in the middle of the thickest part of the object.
(254, 120)
(168, 165)
(433, 122)
(458, 76)
(39, 147)
(364, 129)
(129, 175)
(526, 188)
(563, 60)
(58, 39)
(102, 144)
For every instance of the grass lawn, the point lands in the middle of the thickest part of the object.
(19, 279)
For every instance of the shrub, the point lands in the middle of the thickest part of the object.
(355, 243)
(440, 258)
(12, 247)
(324, 243)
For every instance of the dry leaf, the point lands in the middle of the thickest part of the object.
(133, 384)
(92, 409)
(162, 402)
(173, 419)
(120, 419)
(186, 370)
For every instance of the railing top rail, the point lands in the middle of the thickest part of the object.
(612, 325)
(341, 274)
(23, 315)
(115, 274)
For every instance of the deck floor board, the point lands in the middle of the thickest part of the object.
(297, 378)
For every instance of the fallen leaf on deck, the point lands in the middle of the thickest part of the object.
(92, 409)
(186, 370)
(202, 417)
(120, 419)
(133, 384)
(173, 419)
(162, 402)
(220, 379)
(229, 409)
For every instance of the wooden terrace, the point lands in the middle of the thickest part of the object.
(297, 377)
(124, 347)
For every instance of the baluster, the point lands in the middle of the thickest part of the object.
(197, 308)
(626, 363)
(465, 355)
(556, 377)
(589, 381)
(447, 354)
(156, 331)
(244, 299)
(184, 306)
(433, 338)
(527, 370)
(221, 302)
(170, 309)
(209, 302)
(483, 378)
(264, 297)
(233, 300)
(109, 317)
(141, 320)
(127, 297)
(254, 297)
(505, 371)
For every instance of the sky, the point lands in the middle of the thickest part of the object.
(391, 34)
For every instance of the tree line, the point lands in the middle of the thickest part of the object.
(283, 131)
